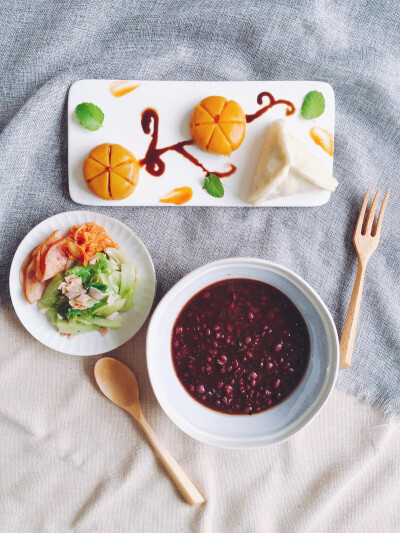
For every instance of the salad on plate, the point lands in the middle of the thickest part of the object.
(82, 281)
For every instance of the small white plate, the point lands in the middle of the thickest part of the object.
(174, 102)
(88, 343)
(274, 425)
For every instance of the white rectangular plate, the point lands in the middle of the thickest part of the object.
(174, 102)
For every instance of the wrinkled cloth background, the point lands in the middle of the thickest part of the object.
(45, 441)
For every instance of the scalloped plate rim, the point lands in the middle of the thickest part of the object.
(51, 338)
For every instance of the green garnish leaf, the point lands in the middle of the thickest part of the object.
(213, 185)
(89, 115)
(313, 105)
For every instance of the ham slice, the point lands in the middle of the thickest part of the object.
(33, 288)
(56, 259)
(43, 249)
(24, 266)
(33, 253)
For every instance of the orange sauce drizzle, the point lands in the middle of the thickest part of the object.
(178, 196)
(122, 87)
(322, 138)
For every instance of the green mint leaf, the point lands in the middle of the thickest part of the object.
(213, 185)
(89, 115)
(313, 105)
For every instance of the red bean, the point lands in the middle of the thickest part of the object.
(221, 332)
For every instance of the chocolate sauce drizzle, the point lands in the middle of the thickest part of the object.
(152, 160)
(272, 102)
(150, 121)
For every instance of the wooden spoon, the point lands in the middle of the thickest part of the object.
(118, 383)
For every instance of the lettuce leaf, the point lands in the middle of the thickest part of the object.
(128, 285)
(87, 272)
(97, 285)
(90, 311)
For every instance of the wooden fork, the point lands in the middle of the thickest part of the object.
(365, 244)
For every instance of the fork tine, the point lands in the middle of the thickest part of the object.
(371, 214)
(381, 213)
(361, 216)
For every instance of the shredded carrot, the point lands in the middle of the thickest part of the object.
(91, 238)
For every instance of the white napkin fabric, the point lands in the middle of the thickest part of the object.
(71, 461)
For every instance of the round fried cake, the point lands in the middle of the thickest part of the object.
(218, 125)
(111, 171)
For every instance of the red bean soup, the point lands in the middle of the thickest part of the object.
(240, 346)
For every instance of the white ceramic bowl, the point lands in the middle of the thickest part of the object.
(88, 343)
(243, 431)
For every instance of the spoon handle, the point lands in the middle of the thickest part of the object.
(188, 490)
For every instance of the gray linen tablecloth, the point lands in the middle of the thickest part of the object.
(355, 46)
(69, 460)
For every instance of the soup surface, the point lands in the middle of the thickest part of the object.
(240, 346)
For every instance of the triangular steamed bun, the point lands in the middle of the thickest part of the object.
(287, 167)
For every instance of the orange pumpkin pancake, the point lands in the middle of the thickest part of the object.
(218, 125)
(111, 171)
